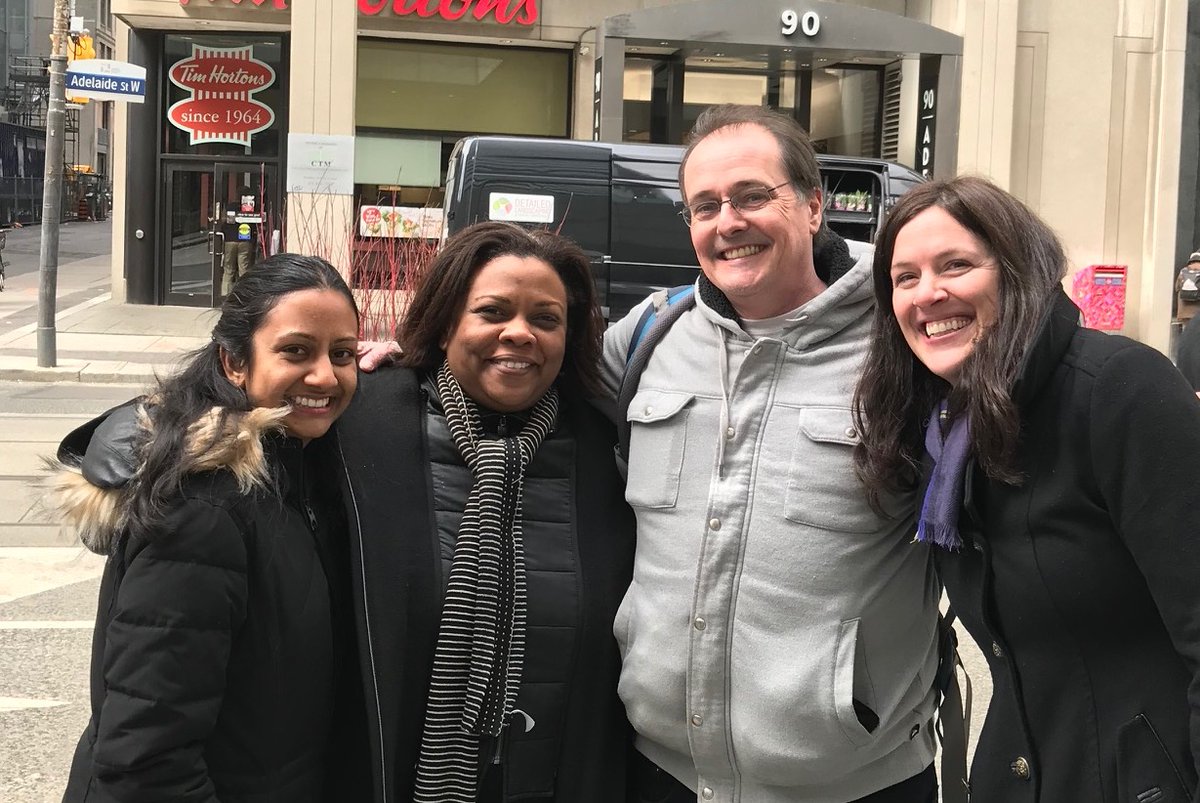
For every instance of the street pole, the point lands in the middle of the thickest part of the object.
(56, 113)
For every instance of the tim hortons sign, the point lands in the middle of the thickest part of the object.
(221, 107)
(521, 12)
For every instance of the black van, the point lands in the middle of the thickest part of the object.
(620, 203)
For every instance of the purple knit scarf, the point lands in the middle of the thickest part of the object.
(950, 451)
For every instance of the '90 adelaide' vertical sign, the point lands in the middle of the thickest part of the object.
(927, 108)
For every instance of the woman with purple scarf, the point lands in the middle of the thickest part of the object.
(1057, 468)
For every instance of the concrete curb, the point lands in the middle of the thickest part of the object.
(29, 328)
(98, 375)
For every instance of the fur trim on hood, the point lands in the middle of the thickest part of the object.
(96, 506)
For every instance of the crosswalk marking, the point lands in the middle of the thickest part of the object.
(24, 704)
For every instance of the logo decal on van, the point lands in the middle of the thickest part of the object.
(521, 208)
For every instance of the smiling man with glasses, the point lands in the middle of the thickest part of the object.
(779, 637)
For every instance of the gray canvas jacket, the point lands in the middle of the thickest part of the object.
(779, 638)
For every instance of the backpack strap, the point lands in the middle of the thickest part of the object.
(665, 308)
(659, 300)
(953, 714)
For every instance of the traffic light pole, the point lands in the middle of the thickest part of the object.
(52, 191)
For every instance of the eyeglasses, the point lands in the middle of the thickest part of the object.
(750, 199)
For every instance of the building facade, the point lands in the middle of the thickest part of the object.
(1078, 107)
(25, 27)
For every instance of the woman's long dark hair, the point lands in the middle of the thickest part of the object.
(896, 392)
(439, 300)
(200, 384)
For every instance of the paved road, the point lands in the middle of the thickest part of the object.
(47, 595)
(84, 270)
(76, 240)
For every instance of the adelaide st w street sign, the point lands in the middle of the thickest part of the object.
(104, 79)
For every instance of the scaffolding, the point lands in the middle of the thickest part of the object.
(24, 102)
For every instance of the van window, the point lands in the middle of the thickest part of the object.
(647, 226)
(645, 214)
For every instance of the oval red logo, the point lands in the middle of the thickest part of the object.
(222, 74)
(221, 119)
(371, 215)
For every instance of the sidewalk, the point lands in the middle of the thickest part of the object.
(97, 340)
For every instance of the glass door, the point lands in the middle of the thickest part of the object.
(190, 255)
(209, 206)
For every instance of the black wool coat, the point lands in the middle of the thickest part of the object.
(404, 483)
(1082, 584)
(222, 641)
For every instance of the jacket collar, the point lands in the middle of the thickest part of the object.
(501, 425)
(845, 301)
(1058, 326)
(96, 503)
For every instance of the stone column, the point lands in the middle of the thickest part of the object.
(324, 57)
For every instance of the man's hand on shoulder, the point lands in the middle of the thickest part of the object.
(374, 354)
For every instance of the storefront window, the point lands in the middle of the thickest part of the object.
(413, 86)
(845, 110)
(704, 89)
(386, 159)
(639, 86)
(414, 101)
(701, 88)
(846, 113)
(226, 95)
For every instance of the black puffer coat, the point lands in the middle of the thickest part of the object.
(406, 487)
(1082, 584)
(219, 642)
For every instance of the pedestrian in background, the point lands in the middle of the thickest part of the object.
(240, 239)
(223, 657)
(1187, 289)
(1058, 468)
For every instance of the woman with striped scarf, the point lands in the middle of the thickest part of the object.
(490, 539)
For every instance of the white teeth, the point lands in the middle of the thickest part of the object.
(513, 364)
(934, 328)
(304, 401)
(743, 251)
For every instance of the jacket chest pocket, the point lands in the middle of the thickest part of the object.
(1146, 773)
(657, 439)
(823, 490)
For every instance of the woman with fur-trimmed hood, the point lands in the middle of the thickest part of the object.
(223, 657)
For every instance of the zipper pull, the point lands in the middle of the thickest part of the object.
(529, 723)
(312, 517)
(498, 755)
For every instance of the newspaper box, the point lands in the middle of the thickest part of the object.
(1099, 290)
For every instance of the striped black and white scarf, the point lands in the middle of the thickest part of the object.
(481, 639)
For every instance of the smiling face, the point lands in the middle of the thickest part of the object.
(302, 355)
(761, 260)
(945, 290)
(507, 346)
